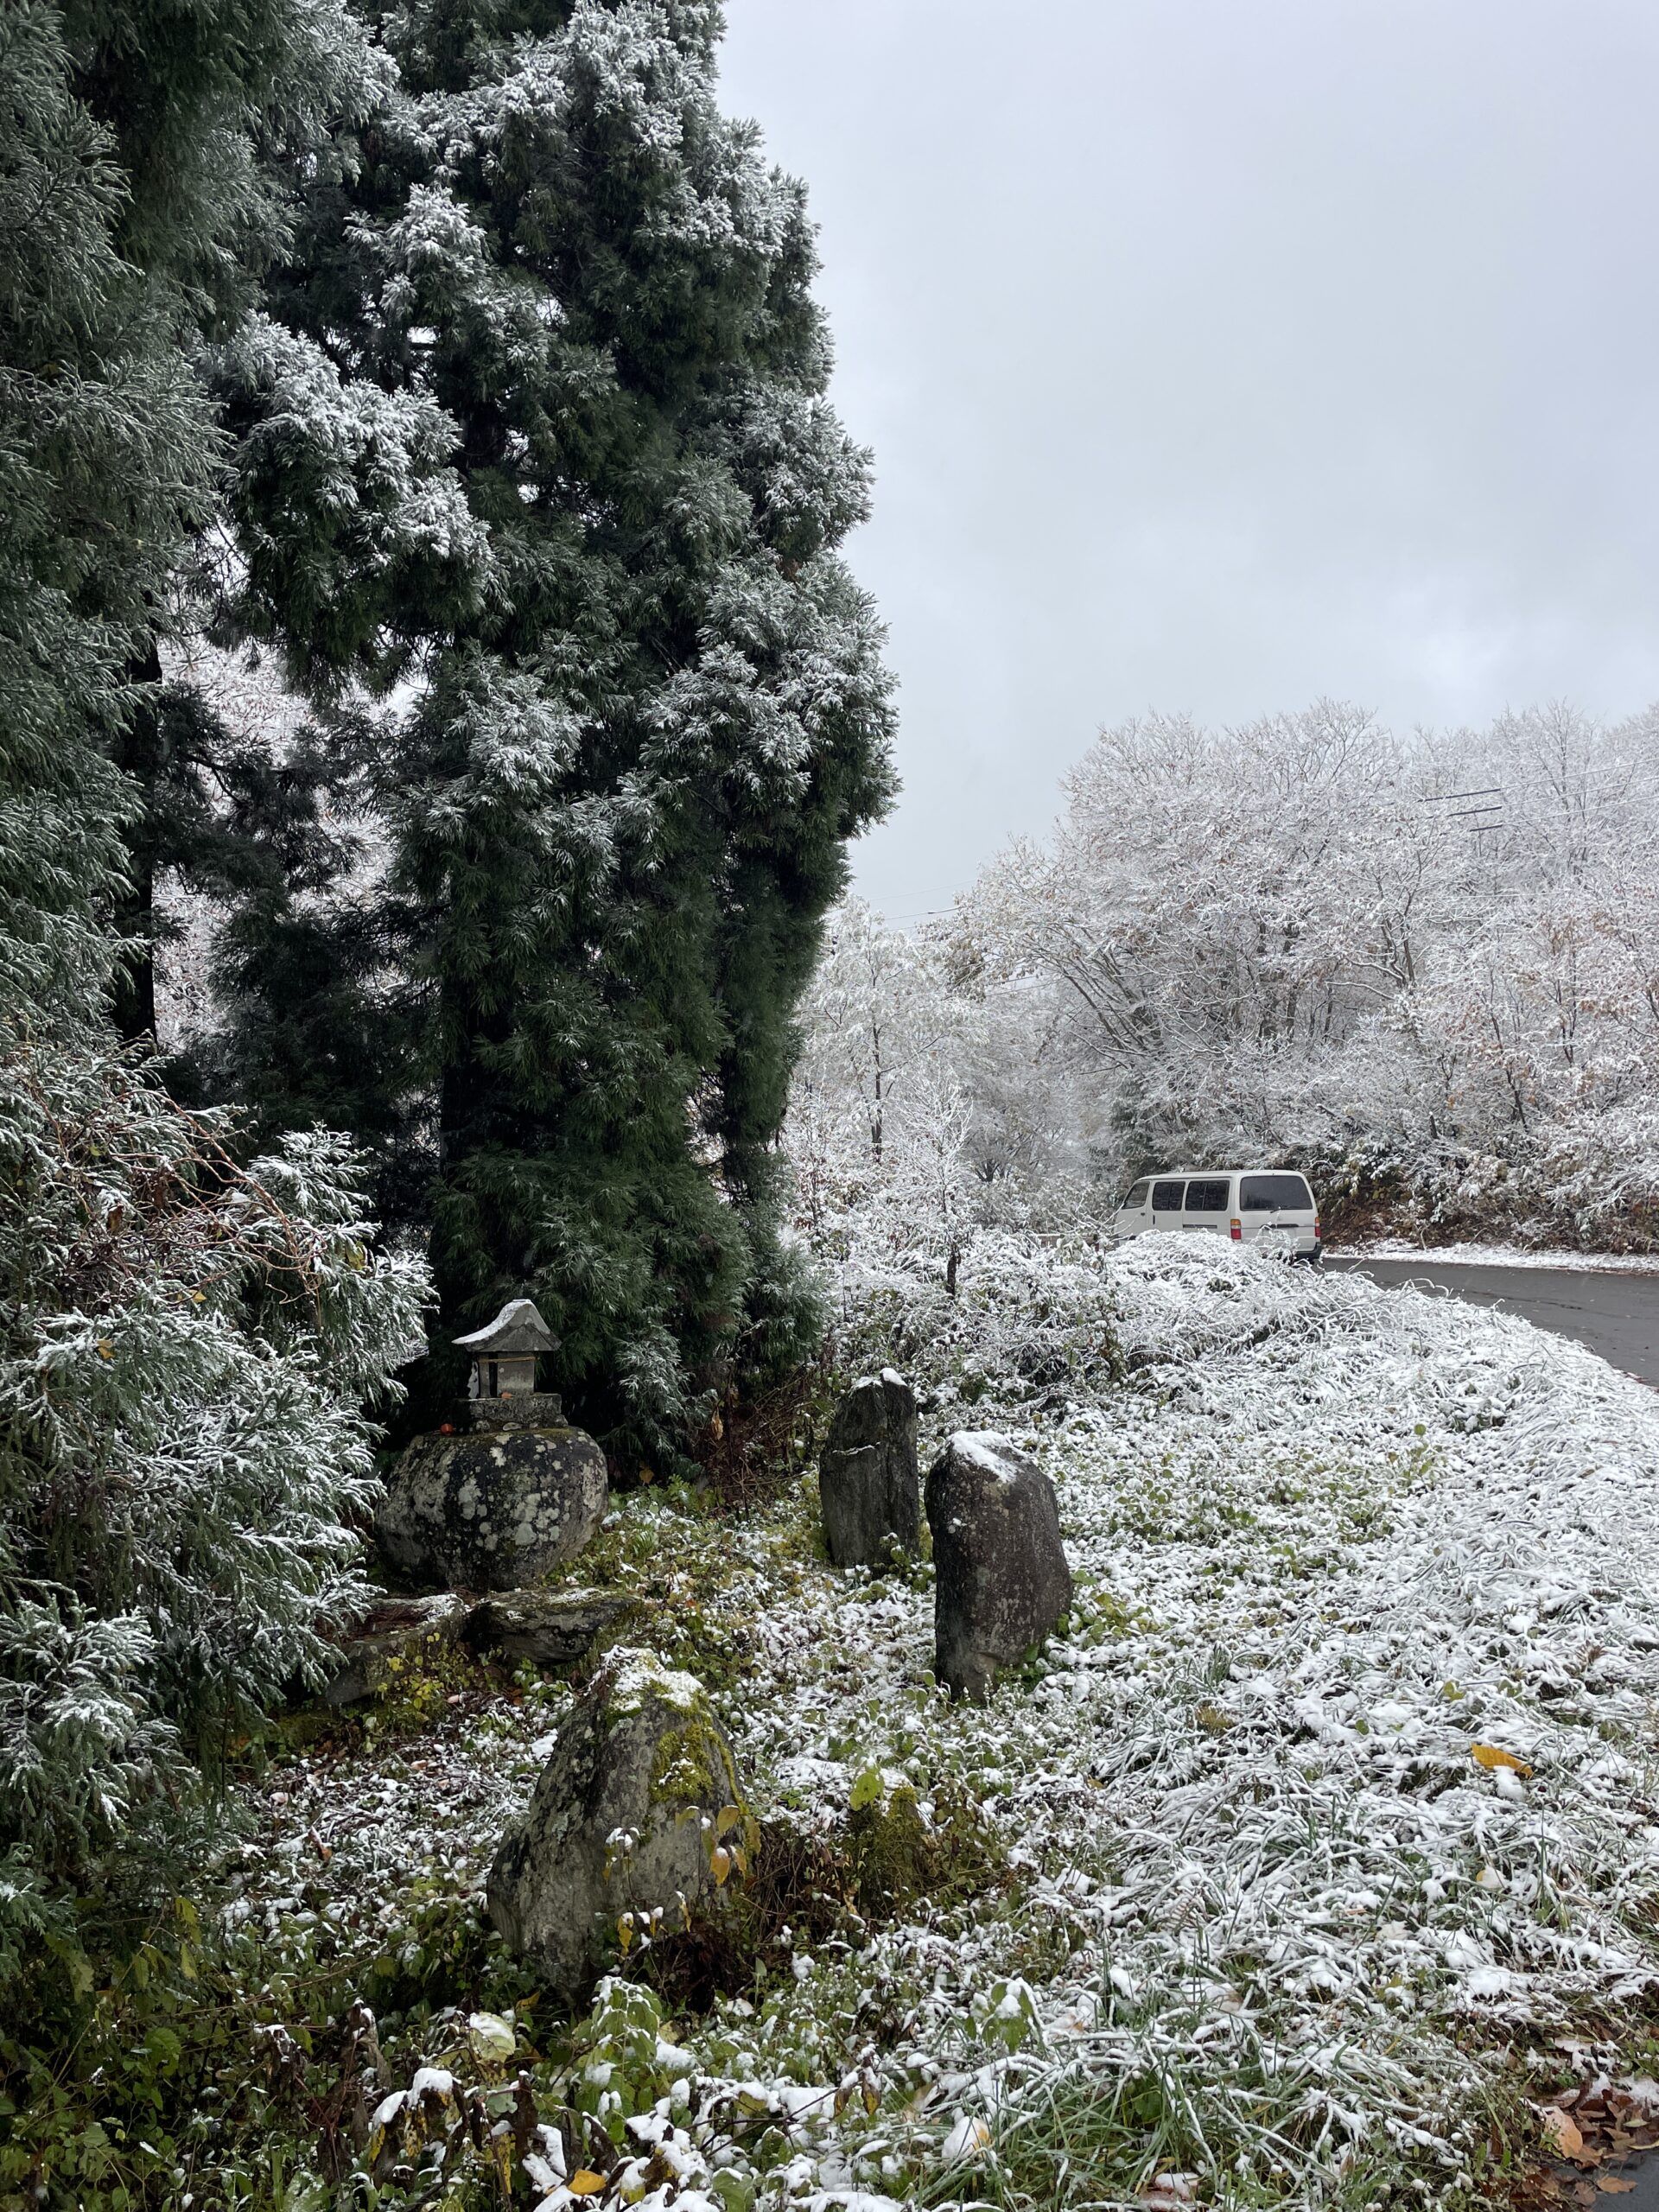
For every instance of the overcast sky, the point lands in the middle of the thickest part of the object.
(1220, 353)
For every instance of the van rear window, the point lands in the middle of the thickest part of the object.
(1209, 1197)
(1167, 1196)
(1274, 1194)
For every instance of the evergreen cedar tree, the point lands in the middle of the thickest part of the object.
(205, 113)
(185, 1352)
(652, 708)
(538, 418)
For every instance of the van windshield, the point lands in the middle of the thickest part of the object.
(1136, 1198)
(1274, 1194)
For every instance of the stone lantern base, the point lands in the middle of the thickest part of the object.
(495, 1506)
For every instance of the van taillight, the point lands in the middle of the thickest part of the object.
(1236, 1230)
(1319, 1228)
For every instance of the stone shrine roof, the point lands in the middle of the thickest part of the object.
(517, 1331)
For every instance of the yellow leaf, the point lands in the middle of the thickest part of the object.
(625, 1932)
(104, 1350)
(721, 1861)
(729, 1816)
(646, 1475)
(1488, 1756)
(585, 2183)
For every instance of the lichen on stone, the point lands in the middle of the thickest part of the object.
(641, 1677)
(692, 1764)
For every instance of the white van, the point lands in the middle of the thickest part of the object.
(1271, 1207)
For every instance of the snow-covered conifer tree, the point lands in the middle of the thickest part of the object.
(620, 804)
(186, 1347)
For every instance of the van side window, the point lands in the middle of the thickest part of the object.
(1167, 1196)
(1209, 1197)
(1274, 1194)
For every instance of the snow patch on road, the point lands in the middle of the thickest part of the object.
(1505, 1255)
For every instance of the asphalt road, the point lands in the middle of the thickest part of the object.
(1617, 1314)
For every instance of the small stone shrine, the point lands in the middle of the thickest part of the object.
(517, 1491)
(504, 1354)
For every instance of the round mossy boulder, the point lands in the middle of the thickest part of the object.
(491, 1508)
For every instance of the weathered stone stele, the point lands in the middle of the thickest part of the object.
(497, 1504)
(867, 1482)
(639, 1793)
(1002, 1576)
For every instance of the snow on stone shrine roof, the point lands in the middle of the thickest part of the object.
(517, 1330)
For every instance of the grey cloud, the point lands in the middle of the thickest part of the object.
(1218, 353)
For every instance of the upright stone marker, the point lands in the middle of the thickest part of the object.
(1002, 1576)
(637, 1811)
(867, 1473)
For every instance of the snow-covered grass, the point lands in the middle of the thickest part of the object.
(1326, 1824)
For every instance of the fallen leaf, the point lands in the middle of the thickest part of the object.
(966, 2139)
(1561, 2132)
(1489, 1755)
(1616, 2185)
(585, 2183)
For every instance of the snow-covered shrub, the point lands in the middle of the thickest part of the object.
(187, 1348)
(1027, 1320)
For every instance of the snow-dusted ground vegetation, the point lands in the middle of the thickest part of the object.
(1428, 968)
(1317, 1843)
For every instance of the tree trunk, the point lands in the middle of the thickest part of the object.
(138, 754)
